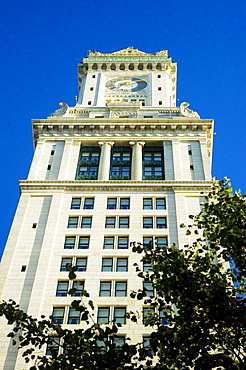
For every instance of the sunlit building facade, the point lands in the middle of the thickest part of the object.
(124, 164)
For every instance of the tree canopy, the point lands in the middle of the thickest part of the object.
(196, 310)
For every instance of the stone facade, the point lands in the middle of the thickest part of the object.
(124, 156)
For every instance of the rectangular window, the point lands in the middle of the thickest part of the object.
(147, 203)
(105, 289)
(163, 317)
(120, 315)
(66, 263)
(79, 285)
(107, 264)
(73, 316)
(161, 242)
(124, 203)
(103, 315)
(69, 242)
(73, 222)
(147, 347)
(123, 242)
(86, 222)
(122, 264)
(58, 314)
(62, 289)
(160, 203)
(84, 242)
(147, 267)
(119, 341)
(120, 289)
(123, 222)
(89, 203)
(88, 163)
(148, 241)
(76, 203)
(110, 222)
(149, 290)
(108, 242)
(81, 264)
(161, 222)
(120, 163)
(111, 203)
(147, 314)
(148, 222)
(52, 346)
(153, 164)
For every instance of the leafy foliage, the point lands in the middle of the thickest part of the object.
(199, 289)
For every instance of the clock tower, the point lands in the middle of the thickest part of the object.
(124, 164)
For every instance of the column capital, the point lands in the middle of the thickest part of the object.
(101, 143)
(142, 143)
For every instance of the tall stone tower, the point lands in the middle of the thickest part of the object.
(125, 164)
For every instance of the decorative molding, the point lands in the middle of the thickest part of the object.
(186, 112)
(60, 112)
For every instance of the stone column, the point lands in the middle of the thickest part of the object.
(104, 164)
(168, 160)
(137, 167)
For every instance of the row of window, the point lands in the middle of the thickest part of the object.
(118, 203)
(120, 163)
(112, 242)
(117, 222)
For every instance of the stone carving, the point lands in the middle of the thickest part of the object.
(170, 69)
(128, 51)
(60, 112)
(186, 112)
(163, 53)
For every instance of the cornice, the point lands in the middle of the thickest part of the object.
(50, 186)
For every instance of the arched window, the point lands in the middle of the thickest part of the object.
(131, 66)
(113, 67)
(122, 67)
(149, 66)
(140, 66)
(104, 67)
(94, 66)
(158, 66)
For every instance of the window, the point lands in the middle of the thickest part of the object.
(160, 241)
(93, 76)
(119, 264)
(151, 222)
(147, 347)
(58, 314)
(119, 341)
(107, 264)
(122, 264)
(148, 222)
(91, 88)
(120, 289)
(108, 242)
(62, 288)
(84, 242)
(147, 267)
(161, 222)
(89, 203)
(72, 222)
(88, 163)
(120, 315)
(105, 289)
(123, 222)
(86, 222)
(123, 242)
(81, 264)
(110, 222)
(153, 167)
(147, 203)
(79, 285)
(69, 242)
(124, 203)
(147, 315)
(159, 88)
(89, 102)
(52, 346)
(111, 204)
(159, 76)
(66, 263)
(163, 314)
(76, 202)
(149, 290)
(160, 203)
(103, 315)
(73, 316)
(120, 167)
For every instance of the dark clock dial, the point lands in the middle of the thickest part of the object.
(126, 84)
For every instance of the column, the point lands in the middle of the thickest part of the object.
(168, 160)
(137, 159)
(104, 164)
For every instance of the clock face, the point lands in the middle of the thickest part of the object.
(126, 84)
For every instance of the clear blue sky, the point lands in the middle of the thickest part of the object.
(42, 41)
